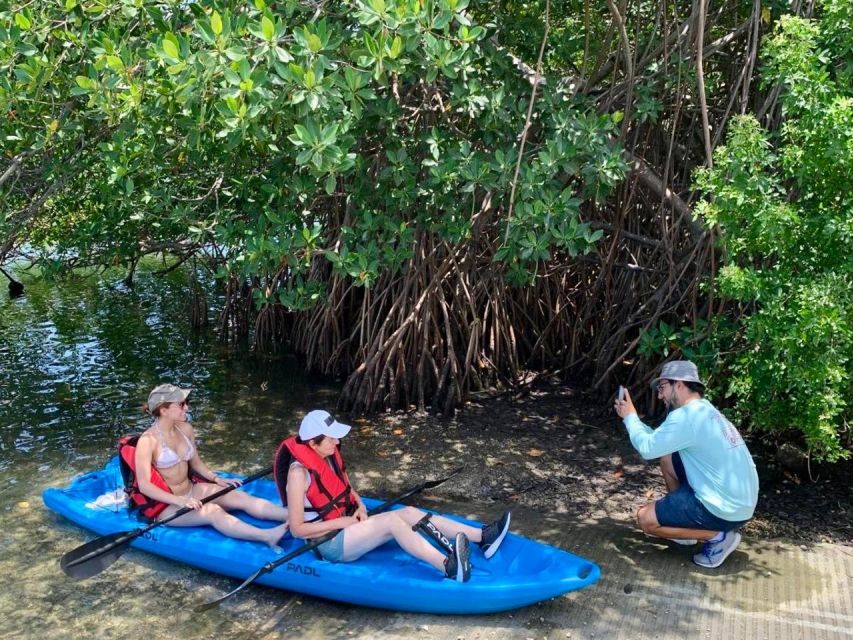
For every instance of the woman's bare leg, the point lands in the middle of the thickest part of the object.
(379, 529)
(256, 507)
(231, 526)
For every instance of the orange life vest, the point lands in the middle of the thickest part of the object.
(330, 493)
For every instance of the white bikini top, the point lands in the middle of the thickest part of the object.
(168, 457)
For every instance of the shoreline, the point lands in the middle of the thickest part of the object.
(556, 451)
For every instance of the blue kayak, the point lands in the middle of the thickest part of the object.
(521, 573)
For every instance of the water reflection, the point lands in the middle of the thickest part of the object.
(78, 359)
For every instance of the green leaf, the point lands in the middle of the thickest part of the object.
(170, 46)
(396, 47)
(282, 54)
(231, 76)
(442, 20)
(303, 134)
(331, 183)
(268, 28)
(115, 63)
(235, 54)
(22, 21)
(216, 23)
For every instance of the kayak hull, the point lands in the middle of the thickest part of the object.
(523, 571)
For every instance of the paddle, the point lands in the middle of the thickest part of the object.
(316, 542)
(96, 555)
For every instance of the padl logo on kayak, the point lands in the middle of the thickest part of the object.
(301, 568)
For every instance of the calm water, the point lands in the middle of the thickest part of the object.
(78, 360)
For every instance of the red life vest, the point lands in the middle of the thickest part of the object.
(329, 493)
(148, 507)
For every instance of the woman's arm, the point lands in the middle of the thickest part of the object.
(197, 464)
(144, 456)
(361, 511)
(296, 488)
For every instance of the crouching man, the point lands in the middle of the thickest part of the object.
(711, 481)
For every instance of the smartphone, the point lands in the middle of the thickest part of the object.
(621, 393)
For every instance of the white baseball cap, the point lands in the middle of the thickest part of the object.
(319, 422)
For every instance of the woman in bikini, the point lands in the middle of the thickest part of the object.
(168, 447)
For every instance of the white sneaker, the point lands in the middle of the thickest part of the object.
(687, 542)
(715, 553)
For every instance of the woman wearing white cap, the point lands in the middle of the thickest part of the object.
(311, 473)
(165, 455)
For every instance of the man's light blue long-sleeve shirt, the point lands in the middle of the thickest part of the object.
(718, 465)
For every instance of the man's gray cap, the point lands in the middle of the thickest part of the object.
(683, 370)
(166, 393)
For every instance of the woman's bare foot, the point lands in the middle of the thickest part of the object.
(273, 535)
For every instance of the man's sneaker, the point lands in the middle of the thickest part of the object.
(494, 534)
(687, 542)
(715, 553)
(457, 566)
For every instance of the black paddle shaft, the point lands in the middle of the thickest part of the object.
(96, 555)
(316, 542)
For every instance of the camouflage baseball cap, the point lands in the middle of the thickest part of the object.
(164, 394)
(683, 370)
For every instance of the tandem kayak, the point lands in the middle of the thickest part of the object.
(522, 572)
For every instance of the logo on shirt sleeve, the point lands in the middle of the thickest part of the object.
(730, 433)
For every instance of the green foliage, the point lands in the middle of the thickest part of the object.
(786, 216)
(691, 342)
(266, 137)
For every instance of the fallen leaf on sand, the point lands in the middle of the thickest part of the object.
(397, 432)
(619, 472)
(534, 453)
